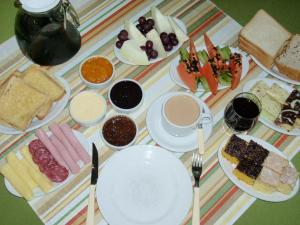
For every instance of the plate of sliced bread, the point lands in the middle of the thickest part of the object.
(31, 99)
(272, 47)
(280, 104)
(258, 168)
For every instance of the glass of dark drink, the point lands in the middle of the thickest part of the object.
(242, 112)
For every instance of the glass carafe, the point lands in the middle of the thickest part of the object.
(46, 30)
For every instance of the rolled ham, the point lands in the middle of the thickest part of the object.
(71, 164)
(41, 134)
(75, 143)
(55, 129)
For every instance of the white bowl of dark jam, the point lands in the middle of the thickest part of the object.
(126, 95)
(119, 131)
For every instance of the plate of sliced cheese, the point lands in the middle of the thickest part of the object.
(31, 99)
(258, 168)
(280, 104)
(150, 40)
(33, 171)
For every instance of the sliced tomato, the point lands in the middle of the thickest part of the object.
(189, 79)
(211, 49)
(235, 66)
(210, 78)
(194, 57)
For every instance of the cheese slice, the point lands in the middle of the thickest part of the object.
(181, 36)
(21, 187)
(132, 52)
(157, 44)
(134, 33)
(161, 22)
(41, 179)
(21, 170)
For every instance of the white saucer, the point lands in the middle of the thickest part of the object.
(143, 185)
(168, 141)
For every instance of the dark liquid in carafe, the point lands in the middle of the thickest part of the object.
(241, 114)
(46, 41)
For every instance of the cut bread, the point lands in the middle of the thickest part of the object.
(43, 112)
(20, 103)
(264, 33)
(40, 80)
(288, 62)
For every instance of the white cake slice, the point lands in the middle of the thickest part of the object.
(181, 36)
(133, 53)
(134, 33)
(157, 44)
(161, 22)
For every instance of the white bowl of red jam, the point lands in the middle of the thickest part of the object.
(119, 131)
(96, 71)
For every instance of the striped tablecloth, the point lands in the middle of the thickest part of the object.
(221, 201)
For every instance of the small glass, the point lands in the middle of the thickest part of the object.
(242, 112)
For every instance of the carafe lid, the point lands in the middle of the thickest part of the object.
(37, 6)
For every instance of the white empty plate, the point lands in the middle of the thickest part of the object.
(122, 59)
(168, 141)
(144, 184)
(228, 169)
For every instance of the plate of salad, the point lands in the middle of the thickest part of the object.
(210, 69)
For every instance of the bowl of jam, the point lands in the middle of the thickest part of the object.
(126, 95)
(119, 132)
(96, 71)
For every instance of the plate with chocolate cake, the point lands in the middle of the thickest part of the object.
(258, 168)
(280, 104)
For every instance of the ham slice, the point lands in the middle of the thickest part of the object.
(84, 156)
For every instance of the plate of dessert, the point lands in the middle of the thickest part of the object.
(150, 40)
(210, 69)
(280, 104)
(258, 168)
(31, 99)
(279, 57)
(47, 163)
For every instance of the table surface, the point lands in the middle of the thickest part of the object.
(221, 201)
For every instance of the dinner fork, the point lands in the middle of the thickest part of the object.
(197, 171)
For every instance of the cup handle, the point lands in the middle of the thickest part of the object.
(68, 7)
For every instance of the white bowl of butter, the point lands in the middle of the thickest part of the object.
(88, 108)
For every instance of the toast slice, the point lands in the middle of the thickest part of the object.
(40, 80)
(20, 103)
(43, 112)
(265, 33)
(288, 62)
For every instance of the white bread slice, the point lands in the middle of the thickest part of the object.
(261, 56)
(43, 112)
(39, 79)
(265, 33)
(288, 62)
(20, 103)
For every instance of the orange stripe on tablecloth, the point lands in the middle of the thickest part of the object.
(219, 204)
(108, 18)
(282, 138)
(80, 213)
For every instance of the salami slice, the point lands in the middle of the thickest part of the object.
(35, 145)
(58, 174)
(42, 156)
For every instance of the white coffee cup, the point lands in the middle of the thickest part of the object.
(181, 113)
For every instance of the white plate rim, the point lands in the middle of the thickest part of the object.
(87, 146)
(175, 76)
(101, 189)
(179, 22)
(272, 125)
(207, 127)
(56, 109)
(274, 72)
(228, 168)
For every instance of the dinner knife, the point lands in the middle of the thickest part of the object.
(94, 177)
